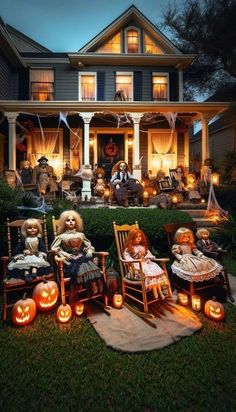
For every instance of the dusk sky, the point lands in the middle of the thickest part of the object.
(62, 25)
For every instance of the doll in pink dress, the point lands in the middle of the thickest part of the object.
(136, 247)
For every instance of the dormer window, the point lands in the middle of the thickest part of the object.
(132, 36)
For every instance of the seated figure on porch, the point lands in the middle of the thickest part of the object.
(44, 176)
(100, 183)
(123, 182)
(190, 263)
(30, 258)
(72, 244)
(137, 248)
(207, 245)
(26, 172)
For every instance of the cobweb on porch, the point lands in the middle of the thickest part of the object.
(214, 211)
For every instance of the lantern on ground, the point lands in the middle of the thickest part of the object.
(145, 198)
(174, 200)
(117, 301)
(182, 298)
(203, 200)
(215, 178)
(64, 313)
(214, 310)
(45, 295)
(79, 308)
(24, 311)
(196, 302)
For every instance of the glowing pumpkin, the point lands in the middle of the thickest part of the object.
(183, 299)
(24, 311)
(45, 295)
(214, 310)
(79, 308)
(64, 313)
(117, 301)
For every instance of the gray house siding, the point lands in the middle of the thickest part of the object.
(8, 80)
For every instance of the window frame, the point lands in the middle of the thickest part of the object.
(81, 74)
(31, 82)
(126, 39)
(161, 74)
(118, 73)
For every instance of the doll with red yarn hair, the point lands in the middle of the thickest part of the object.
(136, 247)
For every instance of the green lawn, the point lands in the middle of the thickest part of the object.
(50, 367)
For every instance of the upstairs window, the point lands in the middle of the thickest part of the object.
(112, 46)
(132, 40)
(124, 84)
(150, 47)
(42, 84)
(87, 87)
(160, 87)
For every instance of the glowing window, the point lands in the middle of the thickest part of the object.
(42, 84)
(132, 39)
(87, 87)
(112, 46)
(150, 47)
(160, 89)
(124, 83)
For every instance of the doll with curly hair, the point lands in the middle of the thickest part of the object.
(100, 183)
(30, 257)
(136, 247)
(77, 250)
(190, 263)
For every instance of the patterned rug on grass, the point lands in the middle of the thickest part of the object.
(126, 332)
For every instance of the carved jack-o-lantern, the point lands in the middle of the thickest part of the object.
(64, 313)
(214, 310)
(183, 299)
(45, 295)
(24, 311)
(117, 301)
(79, 308)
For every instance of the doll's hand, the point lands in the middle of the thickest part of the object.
(26, 252)
(89, 254)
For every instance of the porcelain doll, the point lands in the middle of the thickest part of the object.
(26, 172)
(206, 245)
(30, 257)
(190, 263)
(100, 185)
(124, 181)
(136, 247)
(72, 244)
(44, 176)
(193, 189)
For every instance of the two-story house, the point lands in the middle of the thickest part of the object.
(120, 97)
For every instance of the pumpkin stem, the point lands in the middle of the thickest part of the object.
(24, 296)
(214, 298)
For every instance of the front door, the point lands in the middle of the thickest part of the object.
(110, 151)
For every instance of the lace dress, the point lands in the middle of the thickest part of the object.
(77, 250)
(154, 274)
(192, 265)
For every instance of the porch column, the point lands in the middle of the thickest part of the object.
(11, 117)
(136, 145)
(205, 138)
(181, 98)
(86, 184)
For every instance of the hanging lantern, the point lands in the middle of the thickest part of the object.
(214, 310)
(24, 311)
(196, 303)
(79, 308)
(145, 198)
(182, 298)
(45, 295)
(117, 301)
(215, 178)
(64, 313)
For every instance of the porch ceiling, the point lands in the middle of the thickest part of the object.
(194, 110)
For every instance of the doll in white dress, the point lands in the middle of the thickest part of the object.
(30, 257)
(72, 244)
(136, 247)
(190, 263)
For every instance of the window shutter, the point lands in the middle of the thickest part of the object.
(138, 86)
(100, 85)
(24, 85)
(174, 85)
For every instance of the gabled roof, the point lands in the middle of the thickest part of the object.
(8, 48)
(132, 14)
(24, 43)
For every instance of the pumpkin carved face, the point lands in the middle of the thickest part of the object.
(64, 313)
(183, 299)
(214, 310)
(79, 308)
(45, 295)
(117, 301)
(24, 311)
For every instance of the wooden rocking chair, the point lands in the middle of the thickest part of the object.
(135, 290)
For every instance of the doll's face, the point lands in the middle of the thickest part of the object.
(99, 176)
(185, 238)
(32, 230)
(122, 167)
(70, 222)
(204, 235)
(138, 239)
(25, 164)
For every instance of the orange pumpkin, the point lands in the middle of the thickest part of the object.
(183, 298)
(24, 311)
(214, 310)
(79, 308)
(45, 295)
(117, 301)
(64, 313)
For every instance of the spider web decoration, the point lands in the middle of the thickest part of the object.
(214, 211)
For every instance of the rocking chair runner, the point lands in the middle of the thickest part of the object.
(135, 290)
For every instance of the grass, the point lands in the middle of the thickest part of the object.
(50, 367)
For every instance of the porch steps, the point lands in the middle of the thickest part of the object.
(197, 213)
